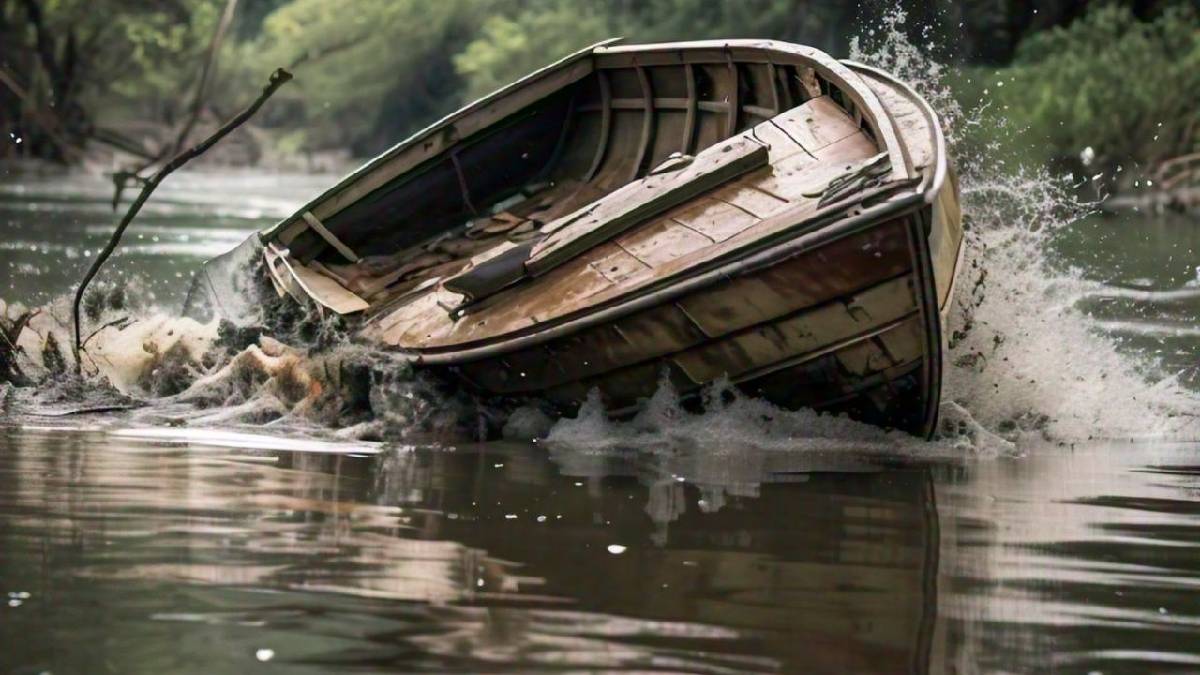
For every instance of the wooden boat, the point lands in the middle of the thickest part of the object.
(746, 209)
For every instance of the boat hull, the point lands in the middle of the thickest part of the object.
(744, 211)
(849, 325)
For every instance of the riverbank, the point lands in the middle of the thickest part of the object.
(248, 149)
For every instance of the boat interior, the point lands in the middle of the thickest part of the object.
(598, 139)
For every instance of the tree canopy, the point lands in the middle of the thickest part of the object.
(369, 72)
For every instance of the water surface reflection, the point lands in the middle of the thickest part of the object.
(126, 554)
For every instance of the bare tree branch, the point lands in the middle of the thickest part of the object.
(206, 75)
(278, 78)
(321, 52)
(122, 179)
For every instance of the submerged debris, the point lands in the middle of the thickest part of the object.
(11, 327)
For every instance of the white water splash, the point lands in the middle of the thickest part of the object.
(734, 422)
(1025, 363)
(159, 369)
(1023, 357)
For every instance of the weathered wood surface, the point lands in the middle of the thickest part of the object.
(295, 278)
(762, 203)
(636, 202)
(839, 370)
(789, 147)
(946, 229)
(833, 274)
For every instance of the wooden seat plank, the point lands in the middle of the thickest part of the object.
(643, 199)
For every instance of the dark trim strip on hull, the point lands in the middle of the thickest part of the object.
(926, 289)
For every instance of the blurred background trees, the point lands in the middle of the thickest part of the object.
(79, 73)
(1127, 89)
(66, 66)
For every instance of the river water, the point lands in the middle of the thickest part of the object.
(1055, 529)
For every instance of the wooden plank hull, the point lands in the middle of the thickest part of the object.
(818, 276)
(838, 328)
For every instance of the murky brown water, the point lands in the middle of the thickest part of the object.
(157, 552)
(208, 551)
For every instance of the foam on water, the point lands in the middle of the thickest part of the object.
(731, 421)
(1023, 356)
(296, 374)
(1024, 361)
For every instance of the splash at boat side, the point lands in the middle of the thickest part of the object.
(295, 374)
(1025, 363)
(1024, 355)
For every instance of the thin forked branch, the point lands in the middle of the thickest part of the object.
(206, 76)
(278, 78)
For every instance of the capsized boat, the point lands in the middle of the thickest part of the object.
(742, 209)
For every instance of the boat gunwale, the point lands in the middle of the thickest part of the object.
(394, 151)
(831, 69)
(932, 183)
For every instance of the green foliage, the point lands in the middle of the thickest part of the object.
(368, 72)
(512, 44)
(159, 55)
(1128, 89)
(82, 61)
